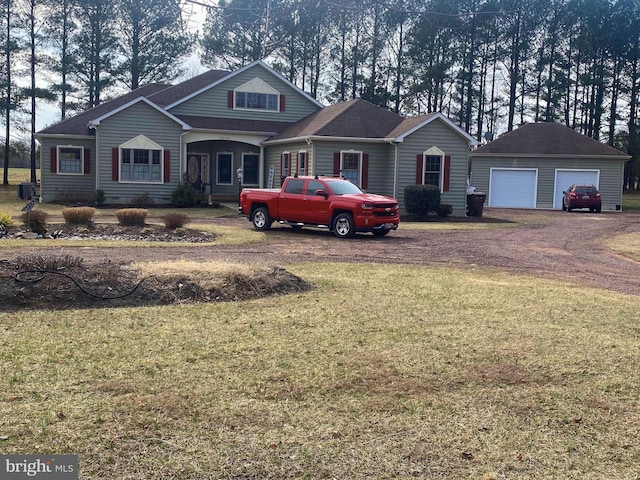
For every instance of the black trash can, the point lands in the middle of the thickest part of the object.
(475, 202)
(25, 190)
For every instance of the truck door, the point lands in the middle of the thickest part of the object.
(291, 204)
(317, 205)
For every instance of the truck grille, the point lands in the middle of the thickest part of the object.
(391, 213)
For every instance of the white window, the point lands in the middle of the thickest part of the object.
(225, 167)
(285, 164)
(141, 161)
(71, 160)
(250, 168)
(140, 165)
(350, 166)
(302, 163)
(432, 167)
(256, 94)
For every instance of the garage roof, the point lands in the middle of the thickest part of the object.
(533, 139)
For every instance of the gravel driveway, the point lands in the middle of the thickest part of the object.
(550, 244)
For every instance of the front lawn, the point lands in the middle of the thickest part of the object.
(382, 371)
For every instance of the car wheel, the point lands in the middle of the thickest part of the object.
(260, 219)
(564, 206)
(343, 226)
(381, 233)
(569, 208)
(598, 209)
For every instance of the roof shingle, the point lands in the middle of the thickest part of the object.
(546, 139)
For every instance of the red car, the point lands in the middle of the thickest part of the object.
(582, 196)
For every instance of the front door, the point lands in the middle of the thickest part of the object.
(197, 170)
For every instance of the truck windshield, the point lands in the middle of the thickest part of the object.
(343, 187)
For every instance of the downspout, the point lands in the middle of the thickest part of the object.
(312, 156)
(395, 168)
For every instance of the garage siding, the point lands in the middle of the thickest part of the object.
(611, 174)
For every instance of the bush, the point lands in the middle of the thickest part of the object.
(184, 195)
(5, 220)
(131, 216)
(143, 200)
(175, 220)
(36, 221)
(78, 215)
(44, 262)
(444, 210)
(419, 200)
(100, 198)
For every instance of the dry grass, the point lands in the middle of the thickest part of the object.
(628, 245)
(381, 372)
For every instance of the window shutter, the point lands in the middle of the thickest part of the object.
(282, 103)
(167, 166)
(54, 159)
(336, 164)
(230, 99)
(365, 171)
(115, 163)
(87, 161)
(419, 169)
(445, 173)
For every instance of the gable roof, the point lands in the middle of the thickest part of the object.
(538, 139)
(79, 124)
(96, 121)
(215, 81)
(188, 88)
(360, 119)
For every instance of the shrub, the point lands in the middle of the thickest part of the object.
(131, 216)
(444, 210)
(184, 195)
(36, 221)
(100, 198)
(44, 262)
(419, 200)
(143, 200)
(5, 220)
(175, 220)
(78, 215)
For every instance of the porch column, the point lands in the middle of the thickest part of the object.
(261, 168)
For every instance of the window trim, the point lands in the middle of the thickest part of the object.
(288, 169)
(434, 152)
(144, 182)
(306, 166)
(255, 154)
(218, 154)
(360, 154)
(58, 172)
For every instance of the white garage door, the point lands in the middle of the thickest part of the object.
(513, 187)
(565, 178)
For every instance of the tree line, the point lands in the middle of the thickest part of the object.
(489, 65)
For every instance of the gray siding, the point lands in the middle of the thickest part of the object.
(380, 179)
(66, 188)
(213, 102)
(611, 175)
(139, 119)
(436, 134)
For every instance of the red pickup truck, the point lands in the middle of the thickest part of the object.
(333, 203)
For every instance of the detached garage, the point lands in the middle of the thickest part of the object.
(530, 167)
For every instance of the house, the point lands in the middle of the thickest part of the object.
(253, 126)
(531, 166)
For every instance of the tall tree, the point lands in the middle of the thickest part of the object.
(152, 41)
(95, 49)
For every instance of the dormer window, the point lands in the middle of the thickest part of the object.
(256, 94)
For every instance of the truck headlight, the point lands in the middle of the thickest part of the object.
(367, 206)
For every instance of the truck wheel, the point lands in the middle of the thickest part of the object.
(343, 226)
(261, 219)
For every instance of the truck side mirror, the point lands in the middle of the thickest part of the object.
(322, 193)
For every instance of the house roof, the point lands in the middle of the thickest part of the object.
(355, 118)
(187, 88)
(79, 124)
(534, 139)
(234, 124)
